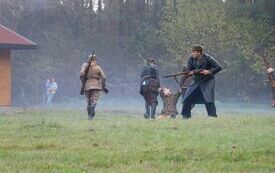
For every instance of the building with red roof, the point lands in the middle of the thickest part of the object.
(9, 40)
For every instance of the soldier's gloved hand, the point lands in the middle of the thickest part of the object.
(82, 77)
(105, 90)
(205, 72)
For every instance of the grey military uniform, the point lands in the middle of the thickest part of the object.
(201, 90)
(149, 89)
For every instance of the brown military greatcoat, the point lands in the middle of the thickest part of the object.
(94, 78)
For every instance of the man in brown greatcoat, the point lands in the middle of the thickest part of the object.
(94, 84)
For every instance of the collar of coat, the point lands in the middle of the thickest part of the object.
(200, 60)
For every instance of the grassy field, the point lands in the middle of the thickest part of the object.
(60, 141)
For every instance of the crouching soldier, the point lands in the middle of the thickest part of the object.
(93, 81)
(149, 87)
(170, 99)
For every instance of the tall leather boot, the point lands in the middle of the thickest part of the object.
(92, 110)
(90, 113)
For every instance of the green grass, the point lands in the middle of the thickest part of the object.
(59, 141)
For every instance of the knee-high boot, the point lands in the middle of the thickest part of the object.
(93, 111)
(89, 110)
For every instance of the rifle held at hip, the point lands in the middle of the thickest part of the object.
(187, 73)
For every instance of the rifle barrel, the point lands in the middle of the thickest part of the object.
(176, 74)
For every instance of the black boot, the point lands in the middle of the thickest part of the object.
(214, 116)
(186, 110)
(91, 113)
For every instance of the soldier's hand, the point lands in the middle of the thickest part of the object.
(205, 72)
(190, 73)
(105, 90)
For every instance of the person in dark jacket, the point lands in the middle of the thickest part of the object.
(149, 87)
(202, 67)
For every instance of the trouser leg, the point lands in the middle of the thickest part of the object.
(91, 109)
(49, 99)
(211, 109)
(194, 97)
(153, 109)
(89, 104)
(147, 110)
(186, 109)
(92, 97)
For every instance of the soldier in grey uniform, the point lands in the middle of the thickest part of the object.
(149, 87)
(95, 83)
(202, 67)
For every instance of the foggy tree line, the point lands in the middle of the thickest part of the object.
(125, 32)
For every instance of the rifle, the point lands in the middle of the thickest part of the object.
(85, 77)
(187, 74)
(183, 73)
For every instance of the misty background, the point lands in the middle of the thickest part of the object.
(123, 33)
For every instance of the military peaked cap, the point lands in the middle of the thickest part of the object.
(197, 48)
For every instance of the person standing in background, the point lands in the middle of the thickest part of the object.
(51, 88)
